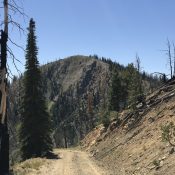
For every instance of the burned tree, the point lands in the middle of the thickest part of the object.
(174, 59)
(4, 136)
(169, 58)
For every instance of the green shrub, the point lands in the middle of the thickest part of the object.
(168, 133)
(106, 119)
(156, 163)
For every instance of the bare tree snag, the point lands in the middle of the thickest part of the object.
(170, 58)
(6, 16)
(9, 6)
(4, 136)
(174, 59)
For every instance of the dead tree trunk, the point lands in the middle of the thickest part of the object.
(4, 136)
(65, 137)
(174, 59)
(170, 58)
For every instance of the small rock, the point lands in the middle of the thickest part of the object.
(113, 126)
(130, 155)
(171, 115)
(152, 167)
(157, 167)
(164, 157)
(151, 119)
(171, 151)
(161, 163)
(140, 105)
(99, 140)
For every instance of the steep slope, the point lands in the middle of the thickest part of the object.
(135, 145)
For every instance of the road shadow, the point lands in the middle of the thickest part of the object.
(51, 155)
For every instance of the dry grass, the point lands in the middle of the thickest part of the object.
(29, 167)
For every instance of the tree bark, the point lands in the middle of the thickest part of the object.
(4, 136)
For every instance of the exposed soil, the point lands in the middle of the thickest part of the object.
(139, 150)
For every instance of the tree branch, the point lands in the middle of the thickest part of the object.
(16, 44)
(14, 59)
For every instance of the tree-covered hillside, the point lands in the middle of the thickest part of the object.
(79, 91)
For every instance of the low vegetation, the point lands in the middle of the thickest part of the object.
(29, 166)
(168, 133)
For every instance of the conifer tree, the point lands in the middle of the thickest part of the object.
(35, 131)
(135, 91)
(115, 92)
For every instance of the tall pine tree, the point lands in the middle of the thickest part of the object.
(115, 92)
(135, 90)
(35, 131)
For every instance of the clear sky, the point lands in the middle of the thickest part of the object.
(116, 29)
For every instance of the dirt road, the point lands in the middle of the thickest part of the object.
(71, 162)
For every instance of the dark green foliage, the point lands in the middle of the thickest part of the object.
(156, 163)
(135, 90)
(35, 131)
(72, 117)
(106, 120)
(116, 92)
(126, 88)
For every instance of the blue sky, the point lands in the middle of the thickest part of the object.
(116, 29)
